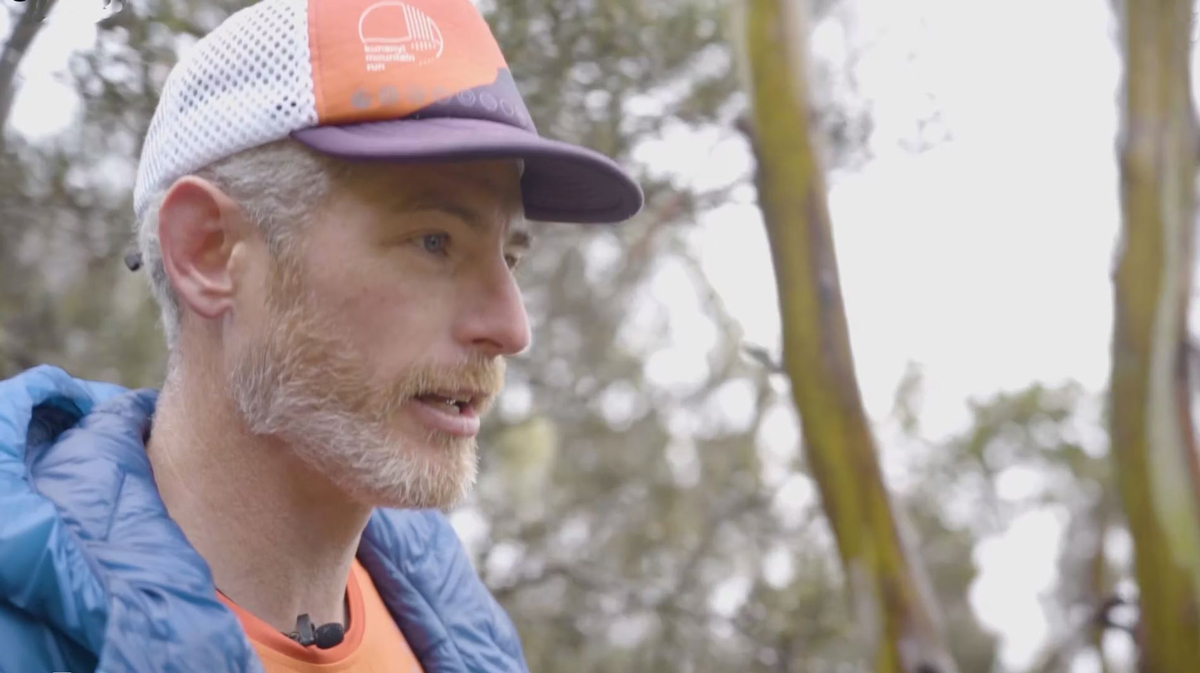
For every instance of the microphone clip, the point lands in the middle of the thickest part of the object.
(324, 636)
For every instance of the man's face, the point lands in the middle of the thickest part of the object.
(374, 348)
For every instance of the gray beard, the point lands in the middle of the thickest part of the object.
(334, 421)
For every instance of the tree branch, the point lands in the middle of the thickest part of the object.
(15, 48)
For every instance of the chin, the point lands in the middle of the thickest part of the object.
(437, 474)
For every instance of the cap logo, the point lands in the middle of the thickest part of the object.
(396, 32)
(387, 59)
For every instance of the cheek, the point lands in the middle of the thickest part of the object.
(390, 317)
(388, 308)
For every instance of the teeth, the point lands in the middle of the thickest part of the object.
(448, 403)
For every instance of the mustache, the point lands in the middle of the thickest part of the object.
(307, 354)
(483, 376)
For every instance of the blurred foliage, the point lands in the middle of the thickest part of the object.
(1035, 449)
(625, 522)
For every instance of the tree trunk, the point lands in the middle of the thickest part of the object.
(1153, 444)
(888, 590)
(14, 51)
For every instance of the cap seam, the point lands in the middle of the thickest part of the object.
(315, 57)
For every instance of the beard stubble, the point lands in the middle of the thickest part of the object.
(299, 380)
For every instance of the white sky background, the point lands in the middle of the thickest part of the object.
(986, 259)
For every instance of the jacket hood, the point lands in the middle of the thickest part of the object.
(87, 547)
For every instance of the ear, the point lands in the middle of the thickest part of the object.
(199, 228)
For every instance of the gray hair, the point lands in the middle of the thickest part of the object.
(277, 185)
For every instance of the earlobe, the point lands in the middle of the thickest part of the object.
(197, 231)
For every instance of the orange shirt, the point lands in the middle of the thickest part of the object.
(373, 642)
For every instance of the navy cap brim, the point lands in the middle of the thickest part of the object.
(561, 182)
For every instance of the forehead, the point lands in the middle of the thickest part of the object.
(492, 187)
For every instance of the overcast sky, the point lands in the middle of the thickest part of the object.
(985, 259)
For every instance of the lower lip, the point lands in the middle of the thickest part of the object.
(435, 416)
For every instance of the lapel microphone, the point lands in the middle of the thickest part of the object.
(324, 636)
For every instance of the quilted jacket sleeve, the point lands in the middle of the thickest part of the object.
(33, 561)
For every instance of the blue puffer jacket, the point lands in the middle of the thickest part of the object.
(95, 576)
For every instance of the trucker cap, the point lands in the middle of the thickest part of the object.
(369, 80)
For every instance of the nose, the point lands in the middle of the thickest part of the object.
(495, 322)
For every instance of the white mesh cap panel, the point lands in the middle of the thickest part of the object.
(246, 84)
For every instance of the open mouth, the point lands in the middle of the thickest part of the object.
(452, 402)
(451, 412)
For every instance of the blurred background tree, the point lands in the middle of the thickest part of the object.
(1154, 437)
(899, 623)
(627, 520)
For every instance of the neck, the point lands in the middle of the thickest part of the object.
(278, 536)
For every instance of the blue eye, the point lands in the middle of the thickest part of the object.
(435, 243)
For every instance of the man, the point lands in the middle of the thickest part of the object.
(330, 204)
